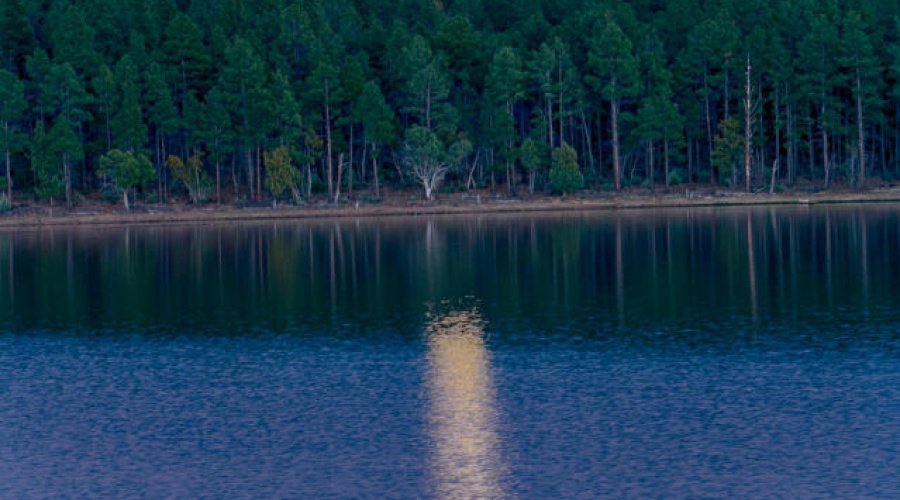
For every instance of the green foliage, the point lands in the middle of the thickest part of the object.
(425, 158)
(565, 176)
(280, 174)
(128, 169)
(728, 147)
(12, 112)
(500, 85)
(614, 68)
(50, 182)
(531, 155)
(128, 127)
(376, 116)
(189, 173)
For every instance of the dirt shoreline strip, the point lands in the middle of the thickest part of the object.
(83, 216)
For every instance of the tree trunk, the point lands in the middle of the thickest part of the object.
(375, 169)
(774, 174)
(125, 196)
(428, 107)
(234, 177)
(650, 162)
(9, 178)
(165, 189)
(350, 166)
(690, 154)
(859, 130)
(218, 182)
(812, 145)
(258, 176)
(364, 161)
(249, 173)
(560, 104)
(826, 165)
(709, 133)
(159, 165)
(791, 157)
(614, 117)
(748, 131)
(550, 121)
(337, 187)
(68, 179)
(666, 159)
(777, 134)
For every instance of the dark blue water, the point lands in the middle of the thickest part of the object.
(675, 354)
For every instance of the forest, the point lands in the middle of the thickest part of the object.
(237, 101)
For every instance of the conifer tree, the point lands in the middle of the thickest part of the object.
(613, 73)
(12, 114)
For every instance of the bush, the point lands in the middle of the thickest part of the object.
(565, 176)
(5, 204)
(676, 177)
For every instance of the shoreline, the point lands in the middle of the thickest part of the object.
(97, 214)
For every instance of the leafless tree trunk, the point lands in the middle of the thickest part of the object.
(748, 128)
(617, 167)
(861, 137)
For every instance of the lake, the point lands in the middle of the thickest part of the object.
(680, 353)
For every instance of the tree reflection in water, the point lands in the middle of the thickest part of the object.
(466, 458)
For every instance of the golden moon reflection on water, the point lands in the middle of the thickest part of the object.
(467, 462)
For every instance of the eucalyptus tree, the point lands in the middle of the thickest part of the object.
(128, 168)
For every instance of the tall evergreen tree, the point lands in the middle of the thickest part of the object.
(614, 74)
(12, 114)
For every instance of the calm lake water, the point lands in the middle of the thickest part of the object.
(727, 353)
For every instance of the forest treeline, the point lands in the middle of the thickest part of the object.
(238, 100)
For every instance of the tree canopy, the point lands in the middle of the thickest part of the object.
(323, 94)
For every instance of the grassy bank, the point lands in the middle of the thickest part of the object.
(400, 204)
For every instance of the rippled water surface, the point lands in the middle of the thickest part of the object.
(728, 353)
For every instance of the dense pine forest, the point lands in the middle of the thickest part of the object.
(238, 101)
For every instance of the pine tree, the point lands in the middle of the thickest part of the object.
(859, 58)
(613, 73)
(427, 86)
(376, 117)
(105, 88)
(73, 41)
(128, 127)
(241, 80)
(12, 114)
(162, 119)
(504, 89)
(187, 56)
(565, 176)
(67, 99)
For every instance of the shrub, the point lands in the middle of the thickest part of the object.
(565, 176)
